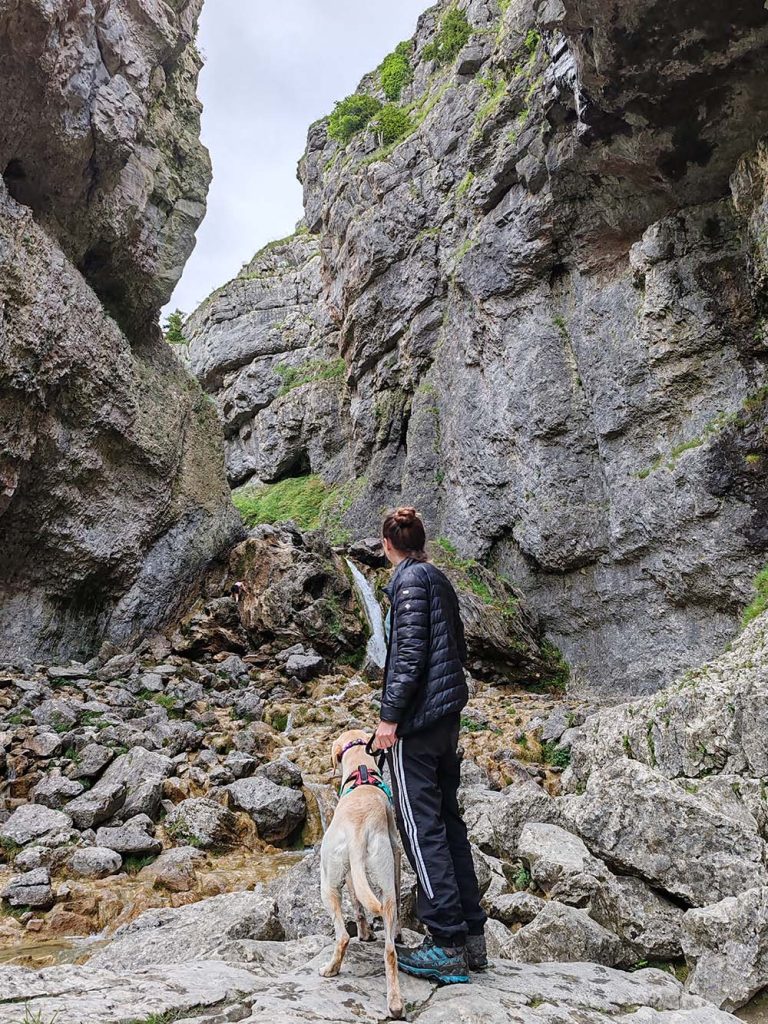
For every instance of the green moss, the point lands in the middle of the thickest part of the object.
(560, 673)
(392, 124)
(559, 322)
(463, 249)
(395, 71)
(470, 725)
(760, 601)
(522, 879)
(464, 185)
(279, 721)
(308, 373)
(351, 115)
(532, 40)
(497, 89)
(452, 35)
(300, 499)
(133, 864)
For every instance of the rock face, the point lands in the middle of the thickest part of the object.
(548, 301)
(112, 492)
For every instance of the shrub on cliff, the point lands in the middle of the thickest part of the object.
(351, 115)
(391, 124)
(453, 34)
(395, 71)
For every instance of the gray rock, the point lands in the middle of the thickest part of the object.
(553, 854)
(152, 682)
(133, 837)
(31, 889)
(240, 764)
(495, 820)
(204, 822)
(119, 665)
(57, 712)
(43, 743)
(74, 671)
(33, 821)
(97, 804)
(233, 667)
(193, 932)
(95, 862)
(174, 870)
(640, 822)
(250, 706)
(91, 761)
(562, 933)
(514, 907)
(726, 946)
(304, 666)
(54, 790)
(143, 773)
(277, 810)
(282, 772)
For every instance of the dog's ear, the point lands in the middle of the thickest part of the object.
(335, 757)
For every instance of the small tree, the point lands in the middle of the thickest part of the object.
(351, 115)
(395, 71)
(174, 328)
(453, 34)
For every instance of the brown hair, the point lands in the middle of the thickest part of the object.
(404, 529)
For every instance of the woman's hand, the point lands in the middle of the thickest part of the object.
(386, 735)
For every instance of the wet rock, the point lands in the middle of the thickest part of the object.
(95, 862)
(202, 821)
(277, 810)
(32, 889)
(34, 821)
(174, 870)
(97, 804)
(132, 838)
(640, 822)
(54, 790)
(726, 945)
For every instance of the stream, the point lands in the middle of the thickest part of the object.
(377, 644)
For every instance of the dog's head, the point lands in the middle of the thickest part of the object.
(337, 750)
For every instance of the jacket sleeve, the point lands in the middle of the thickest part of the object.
(410, 626)
(461, 641)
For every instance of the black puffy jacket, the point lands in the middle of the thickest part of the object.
(424, 676)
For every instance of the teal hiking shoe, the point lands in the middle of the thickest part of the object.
(447, 965)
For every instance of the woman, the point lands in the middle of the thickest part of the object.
(423, 694)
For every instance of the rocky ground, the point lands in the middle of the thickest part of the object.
(162, 809)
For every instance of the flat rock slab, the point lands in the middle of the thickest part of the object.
(87, 995)
(268, 987)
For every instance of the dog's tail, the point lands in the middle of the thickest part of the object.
(360, 882)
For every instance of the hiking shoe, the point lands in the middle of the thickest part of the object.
(447, 965)
(477, 954)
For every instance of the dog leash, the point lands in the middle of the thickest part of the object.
(379, 756)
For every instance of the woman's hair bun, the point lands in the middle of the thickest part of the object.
(405, 516)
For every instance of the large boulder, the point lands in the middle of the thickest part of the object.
(95, 862)
(32, 889)
(96, 805)
(142, 773)
(562, 933)
(54, 790)
(726, 946)
(642, 823)
(277, 810)
(134, 837)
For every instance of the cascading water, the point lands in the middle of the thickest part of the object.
(377, 644)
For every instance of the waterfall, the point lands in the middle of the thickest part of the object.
(377, 644)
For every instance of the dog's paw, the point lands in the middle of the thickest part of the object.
(396, 1010)
(329, 971)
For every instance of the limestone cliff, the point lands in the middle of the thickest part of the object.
(113, 493)
(543, 265)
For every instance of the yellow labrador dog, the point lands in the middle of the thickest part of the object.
(361, 848)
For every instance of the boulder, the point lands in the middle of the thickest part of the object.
(240, 764)
(34, 821)
(54, 790)
(57, 712)
(514, 907)
(31, 889)
(143, 773)
(726, 946)
(174, 870)
(43, 743)
(304, 666)
(495, 820)
(642, 823)
(132, 838)
(95, 862)
(91, 761)
(282, 772)
(560, 933)
(649, 924)
(277, 810)
(203, 822)
(97, 805)
(554, 854)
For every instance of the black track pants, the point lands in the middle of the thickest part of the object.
(425, 772)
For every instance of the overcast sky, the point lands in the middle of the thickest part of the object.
(271, 69)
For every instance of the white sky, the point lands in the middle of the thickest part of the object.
(271, 70)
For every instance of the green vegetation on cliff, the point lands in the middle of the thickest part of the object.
(351, 115)
(760, 602)
(309, 373)
(299, 498)
(173, 328)
(396, 71)
(453, 34)
(391, 124)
